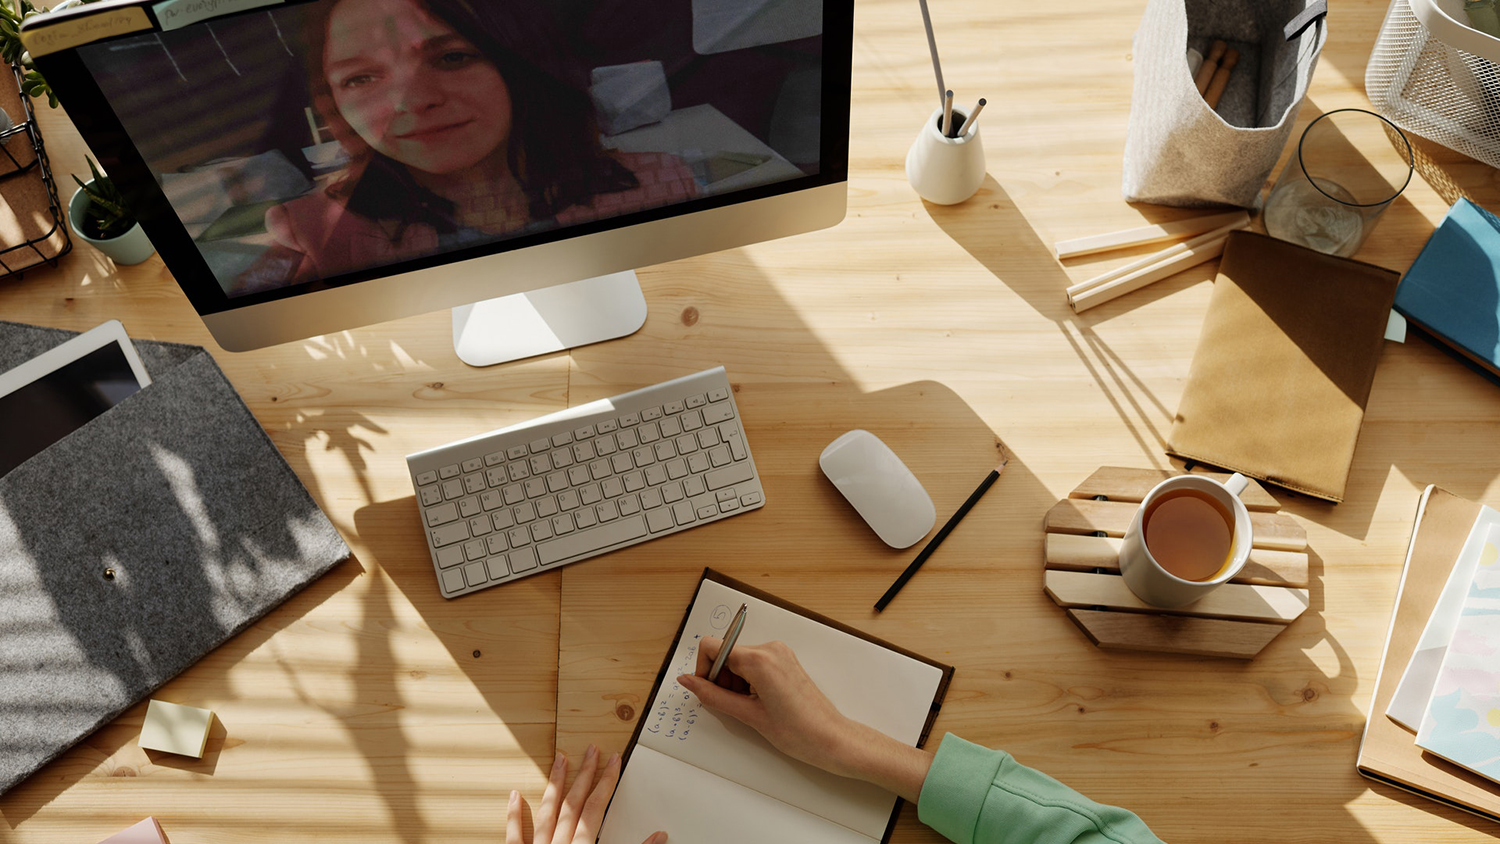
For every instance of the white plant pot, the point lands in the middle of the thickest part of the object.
(132, 247)
(945, 170)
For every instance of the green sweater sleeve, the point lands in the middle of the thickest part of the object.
(974, 795)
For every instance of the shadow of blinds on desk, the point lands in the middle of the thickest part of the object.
(135, 545)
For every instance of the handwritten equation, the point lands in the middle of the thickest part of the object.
(677, 709)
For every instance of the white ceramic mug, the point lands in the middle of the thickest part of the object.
(1159, 587)
(945, 170)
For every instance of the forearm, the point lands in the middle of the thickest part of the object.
(870, 755)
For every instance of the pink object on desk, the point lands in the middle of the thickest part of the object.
(147, 831)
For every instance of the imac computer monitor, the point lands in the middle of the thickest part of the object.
(308, 167)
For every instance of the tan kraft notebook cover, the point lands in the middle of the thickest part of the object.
(1388, 752)
(1278, 384)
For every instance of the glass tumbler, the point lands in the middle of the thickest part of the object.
(1350, 165)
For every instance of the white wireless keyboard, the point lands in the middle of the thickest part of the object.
(584, 481)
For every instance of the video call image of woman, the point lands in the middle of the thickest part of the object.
(453, 140)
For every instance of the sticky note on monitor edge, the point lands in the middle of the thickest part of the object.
(174, 728)
(175, 14)
(75, 30)
(147, 831)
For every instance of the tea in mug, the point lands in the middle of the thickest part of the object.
(1190, 533)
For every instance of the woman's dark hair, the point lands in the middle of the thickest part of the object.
(554, 151)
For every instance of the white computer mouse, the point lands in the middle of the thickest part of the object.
(885, 492)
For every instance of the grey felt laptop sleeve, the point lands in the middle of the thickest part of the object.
(201, 525)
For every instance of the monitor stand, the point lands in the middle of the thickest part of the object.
(551, 319)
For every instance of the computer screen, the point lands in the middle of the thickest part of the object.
(301, 147)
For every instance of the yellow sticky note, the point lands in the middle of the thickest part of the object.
(71, 31)
(174, 728)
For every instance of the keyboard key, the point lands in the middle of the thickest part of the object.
(600, 469)
(698, 463)
(475, 483)
(473, 465)
(560, 440)
(634, 481)
(562, 458)
(525, 512)
(494, 458)
(431, 495)
(736, 444)
(449, 471)
(665, 450)
(541, 530)
(453, 489)
(691, 421)
(503, 519)
(590, 494)
(659, 520)
(708, 511)
(694, 486)
(523, 560)
(495, 543)
(708, 437)
(539, 446)
(491, 499)
(475, 574)
(474, 549)
(468, 507)
(686, 444)
(453, 580)
(583, 452)
(650, 413)
(629, 506)
(648, 433)
(442, 515)
(622, 462)
(540, 464)
(497, 476)
(719, 455)
(670, 427)
(729, 476)
(496, 568)
(651, 498)
(608, 426)
(562, 524)
(569, 500)
(750, 499)
(514, 494)
(630, 419)
(578, 475)
(516, 452)
(605, 446)
(584, 433)
(613, 487)
(546, 508)
(718, 394)
(676, 468)
(427, 478)
(696, 401)
(655, 475)
(518, 471)
(627, 440)
(535, 487)
(671, 493)
(683, 513)
(716, 413)
(728, 506)
(450, 556)
(480, 525)
(725, 494)
(586, 518)
(518, 537)
(644, 456)
(584, 542)
(607, 511)
(558, 481)
(449, 534)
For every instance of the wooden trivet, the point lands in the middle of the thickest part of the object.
(1236, 620)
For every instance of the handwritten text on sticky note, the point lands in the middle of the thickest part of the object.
(175, 14)
(74, 31)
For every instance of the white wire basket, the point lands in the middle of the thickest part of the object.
(1435, 76)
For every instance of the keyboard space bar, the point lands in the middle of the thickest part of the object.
(593, 539)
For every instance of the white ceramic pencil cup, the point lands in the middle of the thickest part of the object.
(943, 170)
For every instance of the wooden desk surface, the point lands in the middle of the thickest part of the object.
(369, 709)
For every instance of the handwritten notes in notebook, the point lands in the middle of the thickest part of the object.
(681, 743)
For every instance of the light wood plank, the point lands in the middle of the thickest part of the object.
(1145, 235)
(1277, 531)
(1265, 567)
(1175, 633)
(1236, 601)
(1120, 484)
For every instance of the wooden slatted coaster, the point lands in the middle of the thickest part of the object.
(1237, 620)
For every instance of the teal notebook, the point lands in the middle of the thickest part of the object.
(1451, 294)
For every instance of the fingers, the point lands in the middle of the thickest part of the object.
(546, 815)
(737, 706)
(592, 816)
(708, 651)
(572, 805)
(514, 833)
(657, 837)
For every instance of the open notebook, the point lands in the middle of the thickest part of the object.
(707, 778)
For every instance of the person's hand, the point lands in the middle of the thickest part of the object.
(574, 819)
(766, 687)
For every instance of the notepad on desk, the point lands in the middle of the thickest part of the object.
(706, 777)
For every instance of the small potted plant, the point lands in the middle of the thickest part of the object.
(99, 216)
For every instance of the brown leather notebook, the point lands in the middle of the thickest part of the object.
(1278, 385)
(1388, 752)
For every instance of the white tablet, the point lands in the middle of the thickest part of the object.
(45, 398)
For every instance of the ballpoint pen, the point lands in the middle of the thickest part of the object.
(729, 639)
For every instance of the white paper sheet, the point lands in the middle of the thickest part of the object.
(889, 691)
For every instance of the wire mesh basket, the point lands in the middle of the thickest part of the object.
(1437, 77)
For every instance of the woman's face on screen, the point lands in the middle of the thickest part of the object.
(413, 88)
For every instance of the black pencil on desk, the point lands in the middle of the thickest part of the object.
(937, 540)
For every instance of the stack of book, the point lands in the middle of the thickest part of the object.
(1434, 725)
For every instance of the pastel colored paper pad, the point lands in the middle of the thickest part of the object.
(174, 728)
(147, 831)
